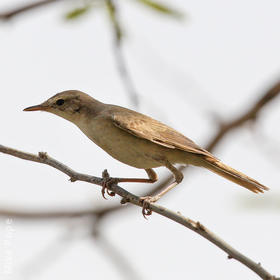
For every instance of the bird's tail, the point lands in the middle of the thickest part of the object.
(233, 175)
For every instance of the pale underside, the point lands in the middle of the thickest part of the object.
(140, 141)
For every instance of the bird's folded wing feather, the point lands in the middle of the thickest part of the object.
(147, 128)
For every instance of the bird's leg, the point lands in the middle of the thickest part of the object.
(151, 174)
(107, 180)
(150, 199)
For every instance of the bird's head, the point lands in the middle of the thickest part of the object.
(70, 104)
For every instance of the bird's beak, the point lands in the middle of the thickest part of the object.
(39, 107)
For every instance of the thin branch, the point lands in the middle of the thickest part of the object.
(125, 75)
(127, 196)
(57, 214)
(251, 114)
(25, 8)
(118, 53)
(117, 44)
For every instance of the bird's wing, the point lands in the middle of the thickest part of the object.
(147, 128)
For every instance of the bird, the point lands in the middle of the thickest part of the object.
(138, 141)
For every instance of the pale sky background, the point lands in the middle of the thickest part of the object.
(215, 63)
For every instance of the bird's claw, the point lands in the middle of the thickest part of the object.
(106, 183)
(146, 205)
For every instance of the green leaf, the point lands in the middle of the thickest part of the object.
(162, 8)
(76, 13)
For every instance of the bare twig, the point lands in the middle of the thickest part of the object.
(250, 115)
(117, 44)
(25, 8)
(57, 214)
(118, 53)
(176, 217)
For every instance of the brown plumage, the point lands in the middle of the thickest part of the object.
(159, 133)
(138, 140)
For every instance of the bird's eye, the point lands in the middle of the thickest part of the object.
(59, 102)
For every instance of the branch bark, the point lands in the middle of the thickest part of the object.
(127, 196)
(251, 114)
(119, 55)
(25, 8)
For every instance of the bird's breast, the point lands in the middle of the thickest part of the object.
(122, 145)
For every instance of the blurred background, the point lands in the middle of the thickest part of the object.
(195, 65)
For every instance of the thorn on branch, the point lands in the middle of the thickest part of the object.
(201, 227)
(43, 155)
(124, 200)
(105, 174)
(72, 179)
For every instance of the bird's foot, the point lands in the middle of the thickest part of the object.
(146, 204)
(107, 182)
